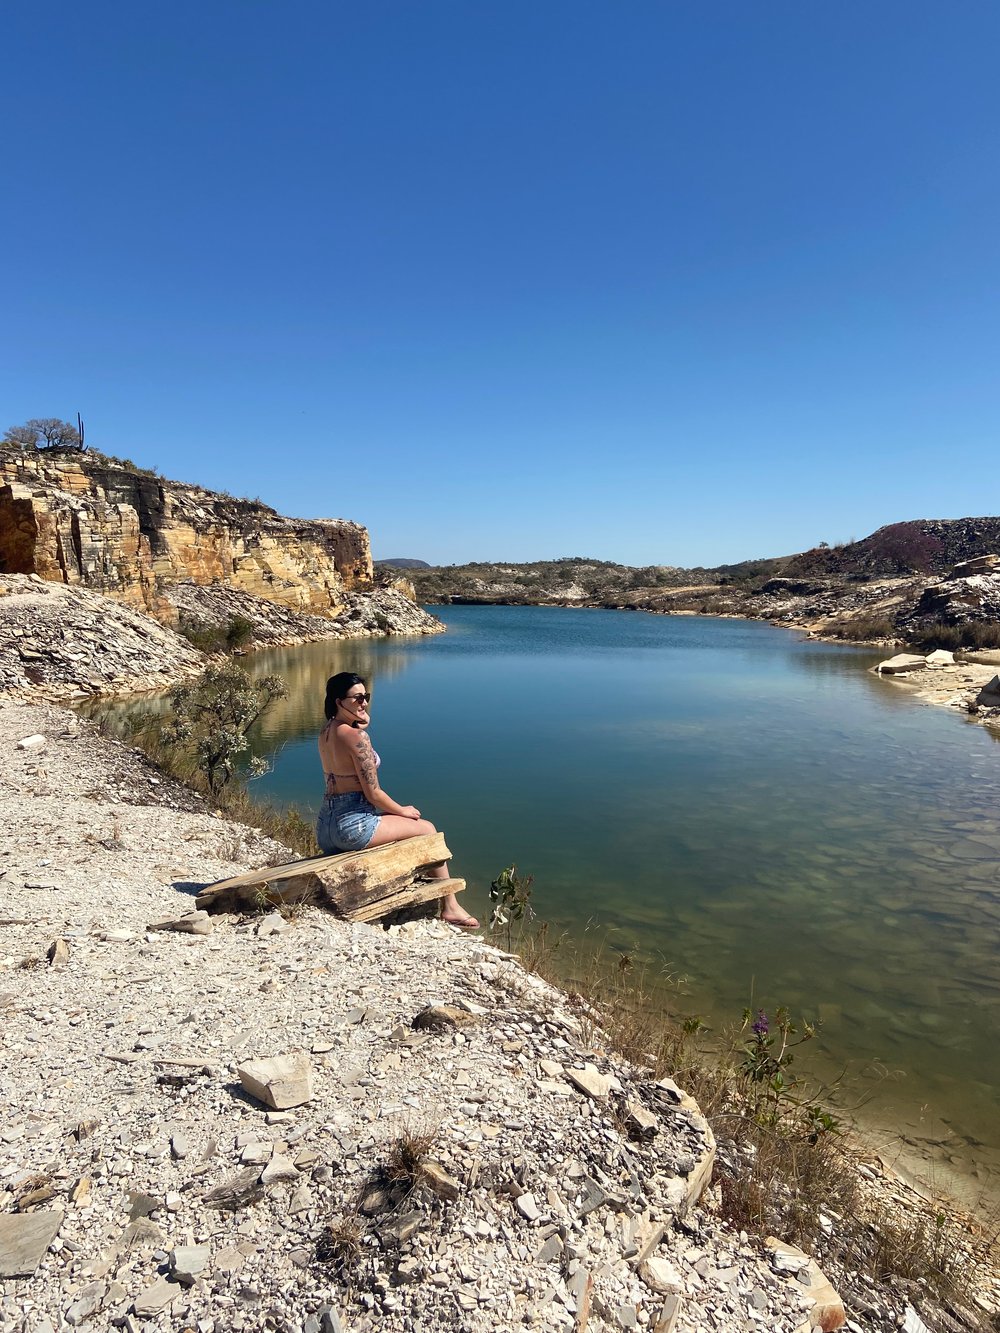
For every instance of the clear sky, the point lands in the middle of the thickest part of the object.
(658, 282)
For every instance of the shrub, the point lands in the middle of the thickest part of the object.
(212, 716)
(865, 629)
(229, 638)
(971, 634)
(904, 548)
(239, 632)
(510, 894)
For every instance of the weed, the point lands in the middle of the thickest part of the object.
(510, 894)
(406, 1154)
(29, 964)
(339, 1245)
(768, 1084)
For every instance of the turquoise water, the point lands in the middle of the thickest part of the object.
(755, 811)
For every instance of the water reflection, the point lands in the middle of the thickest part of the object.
(307, 668)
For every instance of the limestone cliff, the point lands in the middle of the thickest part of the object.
(80, 518)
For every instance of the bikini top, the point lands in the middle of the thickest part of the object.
(332, 777)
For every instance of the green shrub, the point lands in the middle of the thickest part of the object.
(228, 638)
(211, 718)
(239, 632)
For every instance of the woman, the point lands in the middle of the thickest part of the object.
(356, 812)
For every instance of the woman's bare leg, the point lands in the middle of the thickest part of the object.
(394, 828)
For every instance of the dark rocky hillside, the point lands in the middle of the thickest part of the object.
(919, 546)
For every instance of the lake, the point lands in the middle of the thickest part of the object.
(756, 811)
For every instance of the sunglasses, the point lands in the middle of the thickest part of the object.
(357, 699)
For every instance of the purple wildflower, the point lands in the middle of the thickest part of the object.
(760, 1026)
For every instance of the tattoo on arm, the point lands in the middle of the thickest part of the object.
(365, 761)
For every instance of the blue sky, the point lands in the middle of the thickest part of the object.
(657, 282)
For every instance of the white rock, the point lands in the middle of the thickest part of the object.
(590, 1081)
(187, 1261)
(32, 743)
(901, 663)
(912, 1323)
(279, 1168)
(279, 1082)
(527, 1207)
(661, 1276)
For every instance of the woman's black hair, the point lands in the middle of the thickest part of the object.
(337, 687)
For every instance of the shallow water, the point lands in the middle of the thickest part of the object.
(759, 812)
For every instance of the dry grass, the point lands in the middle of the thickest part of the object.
(288, 827)
(339, 1245)
(781, 1168)
(972, 634)
(865, 629)
(406, 1154)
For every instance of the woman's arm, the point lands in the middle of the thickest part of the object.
(363, 759)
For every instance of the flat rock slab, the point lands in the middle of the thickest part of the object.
(191, 923)
(901, 663)
(24, 1238)
(590, 1081)
(187, 1261)
(157, 1297)
(279, 1082)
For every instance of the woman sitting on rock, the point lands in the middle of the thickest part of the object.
(356, 812)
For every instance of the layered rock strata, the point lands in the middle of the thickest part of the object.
(82, 519)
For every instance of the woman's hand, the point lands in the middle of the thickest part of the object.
(409, 812)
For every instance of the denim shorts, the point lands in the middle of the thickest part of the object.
(346, 823)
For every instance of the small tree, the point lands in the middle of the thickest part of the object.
(212, 716)
(45, 433)
(23, 436)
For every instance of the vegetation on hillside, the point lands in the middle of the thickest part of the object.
(46, 433)
(574, 578)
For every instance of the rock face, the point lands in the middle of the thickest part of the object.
(82, 519)
(970, 592)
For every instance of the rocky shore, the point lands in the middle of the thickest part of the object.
(141, 1183)
(65, 642)
(458, 1149)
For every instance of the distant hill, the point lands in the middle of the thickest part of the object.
(918, 546)
(573, 580)
(404, 562)
(885, 588)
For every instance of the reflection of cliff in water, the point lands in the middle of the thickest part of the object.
(305, 669)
